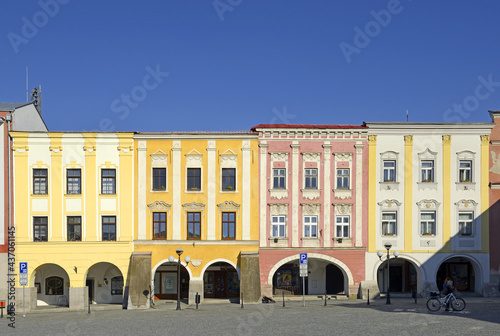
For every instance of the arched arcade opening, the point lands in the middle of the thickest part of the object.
(52, 285)
(165, 281)
(105, 283)
(221, 280)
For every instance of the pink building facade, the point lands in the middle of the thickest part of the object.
(313, 199)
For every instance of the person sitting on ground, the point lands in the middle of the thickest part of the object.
(447, 289)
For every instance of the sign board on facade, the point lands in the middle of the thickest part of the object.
(23, 281)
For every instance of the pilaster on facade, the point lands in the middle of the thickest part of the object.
(246, 189)
(359, 194)
(295, 193)
(211, 186)
(177, 185)
(141, 190)
(327, 234)
(263, 187)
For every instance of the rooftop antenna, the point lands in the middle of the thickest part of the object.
(406, 115)
(27, 90)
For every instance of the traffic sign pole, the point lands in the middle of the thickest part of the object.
(23, 281)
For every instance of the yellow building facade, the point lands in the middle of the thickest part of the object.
(197, 192)
(74, 210)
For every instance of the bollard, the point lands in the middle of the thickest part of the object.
(89, 304)
(415, 293)
(197, 299)
(2, 306)
(325, 297)
(283, 292)
(241, 300)
(368, 302)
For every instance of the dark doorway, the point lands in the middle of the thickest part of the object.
(334, 280)
(460, 271)
(166, 282)
(221, 281)
(90, 284)
(396, 278)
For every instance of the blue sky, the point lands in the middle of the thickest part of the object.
(191, 65)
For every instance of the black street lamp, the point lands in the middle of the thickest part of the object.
(380, 254)
(187, 259)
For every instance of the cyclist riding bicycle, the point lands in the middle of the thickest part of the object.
(447, 289)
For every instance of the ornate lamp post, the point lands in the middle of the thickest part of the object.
(187, 259)
(380, 254)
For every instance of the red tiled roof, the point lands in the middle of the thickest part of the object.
(306, 126)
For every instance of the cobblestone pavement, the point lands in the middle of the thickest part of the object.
(342, 317)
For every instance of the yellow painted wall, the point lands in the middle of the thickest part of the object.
(57, 250)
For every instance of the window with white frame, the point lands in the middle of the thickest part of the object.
(465, 171)
(428, 223)
(40, 181)
(342, 178)
(311, 178)
(427, 170)
(278, 226)
(389, 171)
(342, 226)
(279, 178)
(389, 223)
(465, 220)
(310, 226)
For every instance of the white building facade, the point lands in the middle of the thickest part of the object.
(428, 191)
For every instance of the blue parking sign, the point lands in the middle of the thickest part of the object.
(23, 268)
(303, 258)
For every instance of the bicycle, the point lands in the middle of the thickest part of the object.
(436, 302)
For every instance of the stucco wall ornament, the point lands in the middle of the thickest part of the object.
(159, 206)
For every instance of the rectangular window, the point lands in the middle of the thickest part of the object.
(390, 171)
(159, 225)
(342, 178)
(194, 179)
(279, 179)
(278, 226)
(74, 181)
(310, 226)
(108, 181)
(311, 181)
(40, 181)
(228, 225)
(108, 228)
(465, 220)
(465, 171)
(74, 228)
(40, 229)
(427, 168)
(228, 179)
(159, 178)
(342, 226)
(428, 223)
(389, 223)
(194, 225)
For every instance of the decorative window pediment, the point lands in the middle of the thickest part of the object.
(159, 159)
(469, 205)
(193, 158)
(342, 208)
(228, 206)
(159, 206)
(389, 204)
(428, 204)
(229, 159)
(343, 157)
(193, 206)
(310, 209)
(278, 209)
(311, 157)
(279, 156)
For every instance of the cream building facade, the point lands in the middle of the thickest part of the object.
(429, 199)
